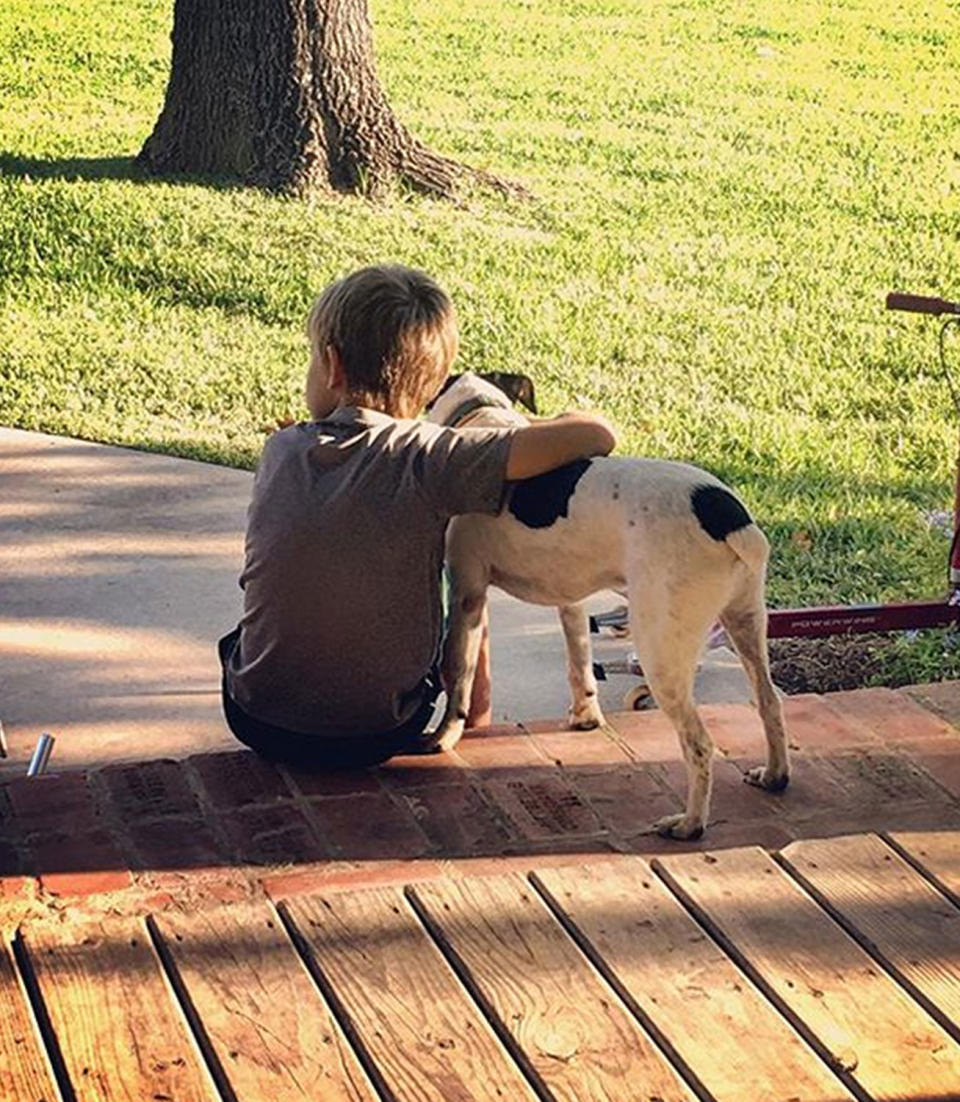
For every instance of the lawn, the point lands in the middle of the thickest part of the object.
(722, 194)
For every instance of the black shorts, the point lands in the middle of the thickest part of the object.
(322, 751)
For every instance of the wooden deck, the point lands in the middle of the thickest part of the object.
(829, 971)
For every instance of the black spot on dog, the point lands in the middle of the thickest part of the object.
(538, 502)
(718, 511)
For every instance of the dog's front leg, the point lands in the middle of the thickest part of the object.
(461, 648)
(585, 707)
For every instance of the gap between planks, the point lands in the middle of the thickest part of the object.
(562, 1020)
(856, 880)
(879, 1039)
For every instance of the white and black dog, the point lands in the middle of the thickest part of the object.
(671, 537)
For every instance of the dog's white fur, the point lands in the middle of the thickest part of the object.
(631, 528)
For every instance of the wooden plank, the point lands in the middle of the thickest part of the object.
(936, 853)
(870, 1029)
(711, 1016)
(573, 1031)
(274, 1036)
(425, 1037)
(25, 1074)
(892, 910)
(121, 1036)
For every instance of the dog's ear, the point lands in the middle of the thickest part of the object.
(451, 379)
(517, 387)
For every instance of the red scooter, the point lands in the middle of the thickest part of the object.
(818, 622)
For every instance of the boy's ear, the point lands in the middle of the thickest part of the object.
(336, 380)
(516, 386)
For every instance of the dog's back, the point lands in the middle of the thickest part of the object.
(585, 527)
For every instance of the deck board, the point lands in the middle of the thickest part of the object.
(873, 1031)
(937, 853)
(273, 1034)
(119, 1032)
(717, 1022)
(829, 972)
(25, 1074)
(899, 917)
(577, 1036)
(427, 1038)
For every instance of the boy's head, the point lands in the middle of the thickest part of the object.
(393, 333)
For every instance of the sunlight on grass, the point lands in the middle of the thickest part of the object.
(723, 194)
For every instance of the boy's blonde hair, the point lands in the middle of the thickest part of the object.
(396, 332)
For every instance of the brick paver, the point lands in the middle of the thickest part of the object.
(175, 844)
(940, 697)
(341, 782)
(228, 825)
(893, 716)
(500, 749)
(813, 724)
(940, 759)
(52, 804)
(543, 804)
(625, 799)
(647, 736)
(370, 825)
(149, 790)
(79, 864)
(584, 750)
(239, 778)
(11, 860)
(273, 836)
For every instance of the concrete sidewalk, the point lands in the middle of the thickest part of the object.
(119, 571)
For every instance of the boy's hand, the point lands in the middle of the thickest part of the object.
(544, 445)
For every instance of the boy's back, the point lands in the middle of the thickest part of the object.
(335, 661)
(342, 611)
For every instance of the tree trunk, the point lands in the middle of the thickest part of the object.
(284, 94)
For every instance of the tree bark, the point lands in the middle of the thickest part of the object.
(284, 94)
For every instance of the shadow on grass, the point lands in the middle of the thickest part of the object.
(103, 168)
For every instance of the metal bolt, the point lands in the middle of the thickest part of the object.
(41, 755)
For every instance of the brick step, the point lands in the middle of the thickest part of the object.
(230, 823)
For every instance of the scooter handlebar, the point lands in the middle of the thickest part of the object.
(921, 304)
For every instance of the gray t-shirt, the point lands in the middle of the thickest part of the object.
(344, 551)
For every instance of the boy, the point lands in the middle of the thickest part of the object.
(335, 661)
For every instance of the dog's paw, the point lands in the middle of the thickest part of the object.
(679, 827)
(586, 717)
(446, 736)
(761, 777)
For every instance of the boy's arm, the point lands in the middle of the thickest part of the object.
(543, 445)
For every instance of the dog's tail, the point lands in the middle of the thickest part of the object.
(751, 546)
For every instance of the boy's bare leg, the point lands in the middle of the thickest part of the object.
(480, 712)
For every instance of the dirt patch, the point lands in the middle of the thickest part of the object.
(833, 664)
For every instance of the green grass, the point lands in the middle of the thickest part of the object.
(723, 194)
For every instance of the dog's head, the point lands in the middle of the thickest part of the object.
(462, 394)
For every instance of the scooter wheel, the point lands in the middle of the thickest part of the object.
(638, 699)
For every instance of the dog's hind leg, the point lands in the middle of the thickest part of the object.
(585, 710)
(668, 641)
(745, 621)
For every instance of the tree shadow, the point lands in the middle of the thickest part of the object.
(73, 169)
